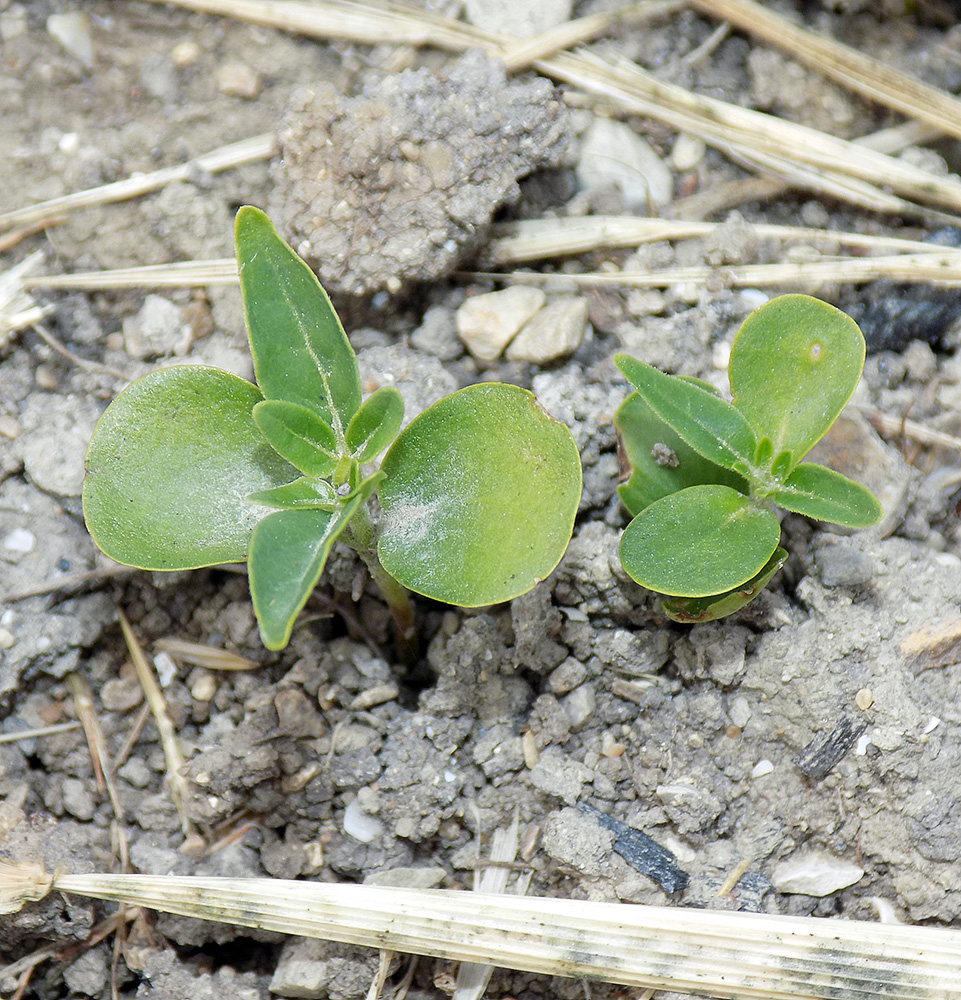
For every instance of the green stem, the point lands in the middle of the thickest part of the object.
(360, 536)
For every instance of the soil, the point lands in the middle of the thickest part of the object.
(819, 723)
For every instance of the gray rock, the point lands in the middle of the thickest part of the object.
(612, 153)
(488, 323)
(560, 775)
(437, 334)
(815, 873)
(580, 706)
(157, 330)
(554, 332)
(843, 566)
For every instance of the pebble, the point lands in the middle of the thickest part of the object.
(864, 699)
(72, 31)
(814, 874)
(20, 540)
(185, 53)
(156, 330)
(238, 80)
(77, 800)
(612, 153)
(761, 768)
(120, 694)
(687, 152)
(740, 711)
(567, 676)
(296, 714)
(379, 694)
(843, 566)
(554, 332)
(520, 18)
(487, 323)
(10, 426)
(580, 705)
(136, 773)
(204, 687)
(437, 334)
(408, 878)
(6, 639)
(361, 825)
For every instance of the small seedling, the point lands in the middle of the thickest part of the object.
(191, 466)
(707, 474)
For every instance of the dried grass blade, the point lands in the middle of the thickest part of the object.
(721, 954)
(855, 70)
(261, 147)
(168, 736)
(199, 655)
(181, 274)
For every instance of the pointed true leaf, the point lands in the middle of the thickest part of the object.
(288, 551)
(699, 542)
(709, 424)
(661, 461)
(300, 351)
(822, 493)
(375, 425)
(170, 469)
(689, 610)
(794, 364)
(480, 497)
(304, 493)
(298, 434)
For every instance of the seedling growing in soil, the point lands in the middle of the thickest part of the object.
(706, 474)
(191, 466)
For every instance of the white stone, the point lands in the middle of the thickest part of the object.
(613, 153)
(20, 540)
(815, 874)
(687, 152)
(518, 18)
(156, 330)
(238, 80)
(72, 30)
(488, 323)
(554, 332)
(761, 768)
(361, 825)
(580, 705)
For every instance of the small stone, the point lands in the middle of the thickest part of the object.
(156, 330)
(380, 694)
(238, 80)
(296, 714)
(843, 566)
(761, 768)
(19, 540)
(72, 31)
(580, 705)
(185, 53)
(488, 323)
(687, 152)
(554, 332)
(437, 334)
(46, 378)
(361, 825)
(558, 774)
(204, 687)
(120, 694)
(933, 646)
(136, 773)
(77, 800)
(814, 874)
(9, 426)
(740, 711)
(408, 878)
(864, 699)
(6, 639)
(567, 676)
(520, 18)
(612, 153)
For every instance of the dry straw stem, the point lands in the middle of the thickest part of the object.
(860, 73)
(942, 269)
(721, 954)
(902, 427)
(199, 655)
(536, 239)
(261, 147)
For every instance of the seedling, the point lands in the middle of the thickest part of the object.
(191, 466)
(707, 474)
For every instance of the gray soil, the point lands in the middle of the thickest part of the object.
(816, 729)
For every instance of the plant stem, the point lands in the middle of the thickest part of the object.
(360, 536)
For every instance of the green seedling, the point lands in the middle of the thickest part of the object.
(706, 474)
(191, 466)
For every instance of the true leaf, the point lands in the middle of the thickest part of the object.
(306, 492)
(300, 351)
(794, 364)
(480, 497)
(699, 542)
(288, 551)
(170, 469)
(709, 424)
(644, 437)
(375, 424)
(299, 434)
(822, 493)
(688, 610)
